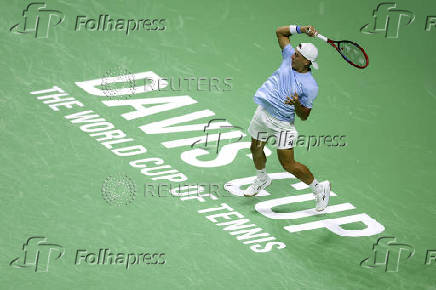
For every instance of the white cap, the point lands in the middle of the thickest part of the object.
(309, 51)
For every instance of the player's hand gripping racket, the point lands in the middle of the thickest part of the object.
(353, 53)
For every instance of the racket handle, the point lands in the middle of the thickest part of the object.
(322, 37)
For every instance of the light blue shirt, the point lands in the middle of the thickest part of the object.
(285, 82)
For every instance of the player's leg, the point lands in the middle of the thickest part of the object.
(299, 170)
(286, 134)
(259, 157)
(259, 132)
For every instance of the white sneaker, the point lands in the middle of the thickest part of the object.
(322, 195)
(260, 183)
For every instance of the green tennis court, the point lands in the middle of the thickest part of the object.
(124, 122)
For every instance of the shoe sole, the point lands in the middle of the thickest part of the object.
(329, 190)
(268, 182)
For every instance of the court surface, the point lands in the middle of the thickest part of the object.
(79, 213)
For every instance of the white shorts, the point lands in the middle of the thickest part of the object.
(264, 127)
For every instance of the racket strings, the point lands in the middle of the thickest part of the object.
(353, 53)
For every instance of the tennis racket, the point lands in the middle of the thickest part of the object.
(353, 53)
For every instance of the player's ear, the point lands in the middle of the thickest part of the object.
(308, 63)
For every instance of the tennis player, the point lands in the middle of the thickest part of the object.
(289, 91)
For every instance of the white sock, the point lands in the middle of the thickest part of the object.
(314, 184)
(261, 173)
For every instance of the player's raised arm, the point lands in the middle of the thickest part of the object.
(283, 35)
(284, 32)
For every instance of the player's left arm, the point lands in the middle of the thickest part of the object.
(301, 111)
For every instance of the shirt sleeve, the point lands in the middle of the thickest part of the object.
(309, 96)
(287, 51)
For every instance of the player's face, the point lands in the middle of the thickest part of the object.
(298, 60)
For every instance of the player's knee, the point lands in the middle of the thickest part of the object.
(256, 148)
